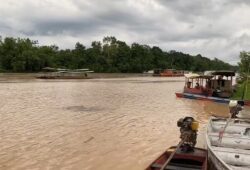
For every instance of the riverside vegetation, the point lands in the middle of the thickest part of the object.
(108, 55)
(243, 86)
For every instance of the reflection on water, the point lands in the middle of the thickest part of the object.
(122, 123)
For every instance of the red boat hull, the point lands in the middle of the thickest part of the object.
(247, 102)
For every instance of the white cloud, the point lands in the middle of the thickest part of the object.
(213, 28)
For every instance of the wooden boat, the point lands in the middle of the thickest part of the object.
(214, 86)
(184, 156)
(232, 151)
(206, 98)
(196, 160)
(247, 102)
(172, 73)
(168, 73)
(202, 97)
(60, 75)
(57, 73)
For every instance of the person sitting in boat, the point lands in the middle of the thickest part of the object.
(221, 81)
(189, 84)
(197, 85)
(208, 84)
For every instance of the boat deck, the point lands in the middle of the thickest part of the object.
(185, 161)
(233, 150)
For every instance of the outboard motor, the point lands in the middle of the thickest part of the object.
(188, 128)
(235, 107)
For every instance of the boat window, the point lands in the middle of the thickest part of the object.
(188, 84)
(197, 85)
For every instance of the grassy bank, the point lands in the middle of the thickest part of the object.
(240, 89)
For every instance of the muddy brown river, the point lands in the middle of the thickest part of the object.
(115, 123)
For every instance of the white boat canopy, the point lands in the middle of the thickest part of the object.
(191, 75)
(196, 76)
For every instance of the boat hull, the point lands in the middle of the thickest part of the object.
(202, 97)
(192, 160)
(62, 77)
(162, 75)
(233, 151)
(214, 162)
(173, 75)
(247, 102)
(207, 98)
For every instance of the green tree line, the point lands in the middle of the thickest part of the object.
(244, 65)
(108, 55)
(243, 84)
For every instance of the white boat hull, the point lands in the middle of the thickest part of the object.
(233, 152)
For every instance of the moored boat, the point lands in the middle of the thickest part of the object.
(57, 73)
(228, 142)
(196, 160)
(184, 156)
(168, 73)
(216, 86)
(64, 75)
(172, 73)
(202, 97)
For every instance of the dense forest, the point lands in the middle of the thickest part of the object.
(243, 84)
(108, 55)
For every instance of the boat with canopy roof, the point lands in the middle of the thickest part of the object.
(214, 86)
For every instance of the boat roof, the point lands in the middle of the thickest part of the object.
(62, 70)
(75, 72)
(54, 69)
(195, 76)
(49, 68)
(222, 73)
(83, 69)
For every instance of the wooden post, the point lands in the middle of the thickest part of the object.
(231, 85)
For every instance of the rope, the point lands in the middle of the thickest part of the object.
(221, 133)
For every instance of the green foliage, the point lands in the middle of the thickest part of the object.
(242, 90)
(110, 55)
(244, 64)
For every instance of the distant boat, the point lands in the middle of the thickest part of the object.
(168, 73)
(58, 73)
(196, 160)
(149, 72)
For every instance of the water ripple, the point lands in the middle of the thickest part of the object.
(120, 124)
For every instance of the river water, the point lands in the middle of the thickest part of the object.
(115, 123)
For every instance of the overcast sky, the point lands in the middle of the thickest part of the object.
(212, 28)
